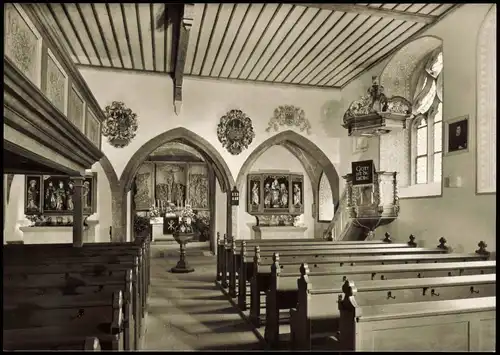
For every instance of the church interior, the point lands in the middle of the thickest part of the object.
(249, 176)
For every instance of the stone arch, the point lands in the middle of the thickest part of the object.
(114, 186)
(290, 137)
(183, 135)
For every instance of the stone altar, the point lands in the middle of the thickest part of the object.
(279, 232)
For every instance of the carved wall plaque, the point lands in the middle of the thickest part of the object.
(290, 116)
(235, 131)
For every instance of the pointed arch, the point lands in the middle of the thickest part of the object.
(182, 135)
(301, 142)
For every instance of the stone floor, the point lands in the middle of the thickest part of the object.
(188, 311)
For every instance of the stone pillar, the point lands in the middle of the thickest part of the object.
(78, 210)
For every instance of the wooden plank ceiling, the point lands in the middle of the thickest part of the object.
(325, 45)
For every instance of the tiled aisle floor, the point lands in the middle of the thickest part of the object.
(188, 312)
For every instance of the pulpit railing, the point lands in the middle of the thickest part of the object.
(365, 206)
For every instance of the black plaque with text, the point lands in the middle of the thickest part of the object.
(363, 172)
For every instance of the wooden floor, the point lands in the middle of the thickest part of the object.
(188, 311)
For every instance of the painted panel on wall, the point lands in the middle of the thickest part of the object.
(34, 193)
(22, 43)
(53, 195)
(93, 130)
(56, 86)
(76, 109)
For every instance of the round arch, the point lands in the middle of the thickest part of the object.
(301, 142)
(183, 135)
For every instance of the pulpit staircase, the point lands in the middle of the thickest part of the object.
(364, 208)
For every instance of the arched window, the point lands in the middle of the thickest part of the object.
(427, 125)
(486, 119)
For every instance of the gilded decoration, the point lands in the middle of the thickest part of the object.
(290, 116)
(375, 114)
(56, 84)
(76, 109)
(235, 131)
(21, 43)
(93, 130)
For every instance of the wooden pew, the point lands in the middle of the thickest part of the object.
(263, 261)
(73, 343)
(34, 327)
(44, 290)
(224, 247)
(261, 270)
(315, 315)
(141, 249)
(283, 289)
(78, 275)
(235, 255)
(447, 325)
(46, 249)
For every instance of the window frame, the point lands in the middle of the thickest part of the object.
(431, 152)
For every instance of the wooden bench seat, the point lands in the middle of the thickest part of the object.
(443, 325)
(234, 254)
(28, 323)
(314, 313)
(259, 272)
(224, 248)
(262, 267)
(27, 282)
(70, 290)
(35, 256)
(283, 288)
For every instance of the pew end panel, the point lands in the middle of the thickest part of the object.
(460, 325)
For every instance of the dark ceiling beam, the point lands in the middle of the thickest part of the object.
(180, 42)
(372, 11)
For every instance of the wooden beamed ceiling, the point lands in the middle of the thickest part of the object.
(316, 44)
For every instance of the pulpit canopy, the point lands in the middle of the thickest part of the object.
(375, 114)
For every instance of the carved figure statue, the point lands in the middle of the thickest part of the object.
(86, 191)
(60, 196)
(267, 196)
(284, 196)
(32, 196)
(275, 193)
(255, 194)
(179, 194)
(296, 194)
(50, 196)
(69, 197)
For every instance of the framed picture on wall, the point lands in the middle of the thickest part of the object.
(33, 197)
(457, 135)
